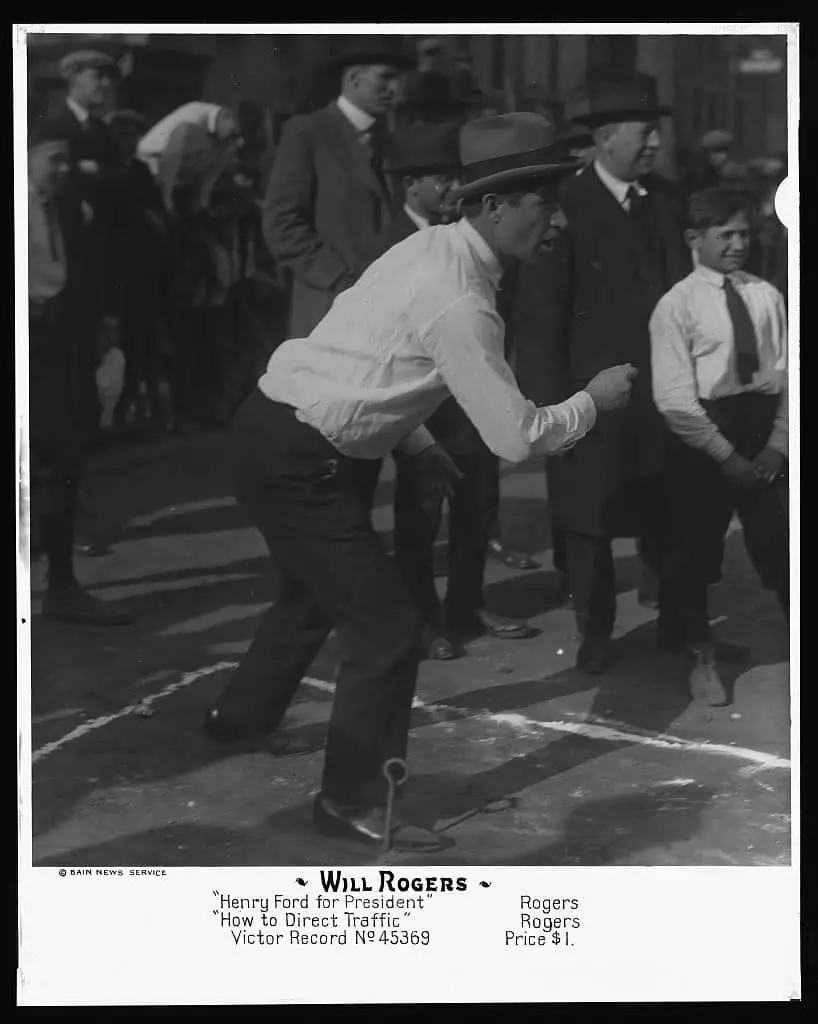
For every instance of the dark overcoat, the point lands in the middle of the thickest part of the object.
(585, 306)
(324, 210)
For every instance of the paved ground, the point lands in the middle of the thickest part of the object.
(517, 757)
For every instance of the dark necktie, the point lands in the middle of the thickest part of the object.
(375, 147)
(52, 229)
(744, 333)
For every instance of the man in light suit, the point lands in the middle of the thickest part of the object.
(327, 199)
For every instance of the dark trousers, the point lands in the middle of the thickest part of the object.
(141, 330)
(701, 501)
(57, 436)
(588, 561)
(473, 510)
(313, 507)
(202, 347)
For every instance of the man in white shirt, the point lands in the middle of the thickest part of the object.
(719, 355)
(426, 159)
(189, 150)
(327, 199)
(420, 324)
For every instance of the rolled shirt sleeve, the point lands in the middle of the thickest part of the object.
(466, 343)
(674, 384)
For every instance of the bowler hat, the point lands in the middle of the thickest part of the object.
(82, 60)
(718, 140)
(508, 150)
(606, 101)
(365, 50)
(424, 149)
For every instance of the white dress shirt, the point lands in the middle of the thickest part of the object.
(359, 119)
(619, 189)
(154, 142)
(416, 219)
(420, 324)
(79, 112)
(693, 355)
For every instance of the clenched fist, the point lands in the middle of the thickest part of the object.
(611, 389)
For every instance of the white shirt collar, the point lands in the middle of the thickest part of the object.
(416, 218)
(483, 251)
(617, 187)
(716, 278)
(79, 112)
(359, 119)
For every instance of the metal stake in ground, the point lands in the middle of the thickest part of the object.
(396, 772)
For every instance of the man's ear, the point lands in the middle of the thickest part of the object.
(692, 237)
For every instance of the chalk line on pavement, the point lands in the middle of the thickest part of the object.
(98, 723)
(757, 760)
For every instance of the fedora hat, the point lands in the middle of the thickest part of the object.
(606, 101)
(424, 149)
(508, 150)
(366, 50)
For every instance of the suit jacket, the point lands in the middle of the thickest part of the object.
(323, 211)
(90, 141)
(581, 308)
(93, 141)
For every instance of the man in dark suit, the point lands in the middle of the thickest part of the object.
(327, 199)
(590, 301)
(425, 157)
(61, 366)
(91, 77)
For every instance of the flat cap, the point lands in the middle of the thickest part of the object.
(81, 60)
(718, 139)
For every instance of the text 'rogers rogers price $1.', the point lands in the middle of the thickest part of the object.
(543, 921)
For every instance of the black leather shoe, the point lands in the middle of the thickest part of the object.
(486, 623)
(513, 559)
(439, 648)
(594, 655)
(93, 548)
(705, 684)
(280, 744)
(368, 825)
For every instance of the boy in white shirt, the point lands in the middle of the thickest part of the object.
(719, 360)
